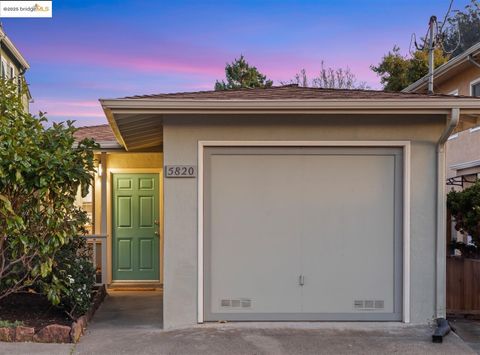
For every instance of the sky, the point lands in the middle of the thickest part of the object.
(114, 48)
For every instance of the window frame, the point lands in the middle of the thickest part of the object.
(474, 83)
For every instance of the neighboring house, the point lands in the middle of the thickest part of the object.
(459, 76)
(13, 66)
(278, 204)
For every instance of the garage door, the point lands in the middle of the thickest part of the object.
(302, 233)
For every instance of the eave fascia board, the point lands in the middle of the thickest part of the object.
(465, 165)
(11, 47)
(140, 106)
(113, 125)
(444, 68)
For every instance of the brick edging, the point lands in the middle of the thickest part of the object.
(55, 333)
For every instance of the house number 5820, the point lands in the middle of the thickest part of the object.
(172, 171)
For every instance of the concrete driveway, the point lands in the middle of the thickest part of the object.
(129, 323)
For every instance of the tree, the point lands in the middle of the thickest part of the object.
(465, 208)
(41, 170)
(239, 74)
(329, 78)
(462, 30)
(397, 71)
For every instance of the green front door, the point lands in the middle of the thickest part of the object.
(135, 227)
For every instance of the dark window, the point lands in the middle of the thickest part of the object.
(476, 89)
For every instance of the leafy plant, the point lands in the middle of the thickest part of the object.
(9, 324)
(41, 170)
(240, 74)
(465, 208)
(74, 275)
(396, 71)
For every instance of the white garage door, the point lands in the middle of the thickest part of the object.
(303, 233)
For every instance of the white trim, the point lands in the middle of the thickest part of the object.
(453, 92)
(465, 165)
(473, 82)
(406, 204)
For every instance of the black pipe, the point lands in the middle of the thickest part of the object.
(442, 329)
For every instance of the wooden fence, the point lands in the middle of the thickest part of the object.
(463, 285)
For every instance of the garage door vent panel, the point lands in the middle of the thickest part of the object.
(368, 305)
(236, 303)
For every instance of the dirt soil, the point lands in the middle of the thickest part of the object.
(34, 310)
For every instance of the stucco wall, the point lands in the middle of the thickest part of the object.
(461, 82)
(465, 146)
(181, 135)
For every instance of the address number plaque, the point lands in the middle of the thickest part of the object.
(180, 171)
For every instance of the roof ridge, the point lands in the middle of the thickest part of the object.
(293, 89)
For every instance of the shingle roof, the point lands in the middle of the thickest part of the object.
(288, 92)
(101, 133)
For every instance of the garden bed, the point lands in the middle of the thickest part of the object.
(31, 317)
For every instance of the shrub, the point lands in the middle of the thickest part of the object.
(465, 208)
(41, 169)
(74, 275)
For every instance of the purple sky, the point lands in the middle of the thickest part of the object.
(112, 48)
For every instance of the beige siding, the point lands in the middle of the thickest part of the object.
(460, 82)
(465, 146)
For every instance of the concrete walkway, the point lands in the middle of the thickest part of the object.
(469, 331)
(131, 323)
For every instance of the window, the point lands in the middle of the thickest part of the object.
(12, 72)
(87, 204)
(3, 69)
(475, 88)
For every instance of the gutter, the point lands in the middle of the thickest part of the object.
(440, 282)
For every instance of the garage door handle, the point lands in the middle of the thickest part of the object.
(301, 280)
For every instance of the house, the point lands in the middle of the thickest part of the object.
(279, 204)
(459, 76)
(13, 66)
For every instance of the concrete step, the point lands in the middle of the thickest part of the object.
(135, 286)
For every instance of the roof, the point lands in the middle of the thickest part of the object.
(102, 134)
(447, 69)
(285, 92)
(137, 121)
(5, 42)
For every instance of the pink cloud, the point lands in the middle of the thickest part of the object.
(68, 108)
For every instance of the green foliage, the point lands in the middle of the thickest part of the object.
(397, 71)
(41, 170)
(239, 74)
(467, 22)
(9, 324)
(465, 208)
(72, 278)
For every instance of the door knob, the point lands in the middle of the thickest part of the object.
(157, 234)
(155, 222)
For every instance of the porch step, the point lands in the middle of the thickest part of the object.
(130, 286)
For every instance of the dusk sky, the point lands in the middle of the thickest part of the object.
(108, 49)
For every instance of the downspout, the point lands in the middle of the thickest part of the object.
(440, 288)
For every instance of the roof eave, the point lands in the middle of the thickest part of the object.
(18, 56)
(444, 68)
(171, 106)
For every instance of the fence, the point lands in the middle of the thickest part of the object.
(463, 285)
